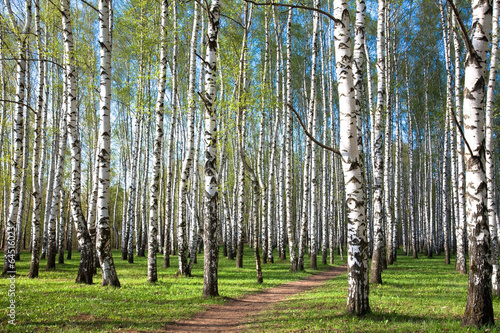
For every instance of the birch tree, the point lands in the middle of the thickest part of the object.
(85, 270)
(155, 177)
(18, 128)
(37, 195)
(290, 223)
(182, 242)
(309, 176)
(377, 152)
(461, 219)
(170, 188)
(491, 203)
(103, 241)
(357, 261)
(211, 247)
(479, 307)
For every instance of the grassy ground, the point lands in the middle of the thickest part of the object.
(422, 295)
(53, 302)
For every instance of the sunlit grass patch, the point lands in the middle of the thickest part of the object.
(54, 302)
(422, 295)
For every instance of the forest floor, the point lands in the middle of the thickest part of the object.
(417, 295)
(237, 313)
(55, 303)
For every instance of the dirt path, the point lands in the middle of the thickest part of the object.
(232, 316)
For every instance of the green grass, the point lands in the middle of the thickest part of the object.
(54, 302)
(422, 295)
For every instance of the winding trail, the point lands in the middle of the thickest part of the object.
(233, 316)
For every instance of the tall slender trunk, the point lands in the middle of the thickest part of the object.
(62, 224)
(479, 307)
(92, 209)
(324, 167)
(241, 125)
(309, 173)
(461, 265)
(170, 188)
(143, 235)
(290, 223)
(58, 179)
(357, 261)
(86, 267)
(260, 168)
(491, 203)
(38, 133)
(211, 254)
(378, 238)
(18, 129)
(103, 240)
(155, 177)
(25, 162)
(449, 106)
(182, 240)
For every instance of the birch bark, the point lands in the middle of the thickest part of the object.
(155, 177)
(103, 240)
(211, 254)
(18, 129)
(37, 196)
(479, 307)
(357, 298)
(378, 239)
(491, 203)
(85, 270)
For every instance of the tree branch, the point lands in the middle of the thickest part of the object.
(23, 104)
(468, 42)
(309, 134)
(330, 16)
(90, 5)
(38, 60)
(461, 132)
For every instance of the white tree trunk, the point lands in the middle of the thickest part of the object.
(479, 307)
(86, 267)
(290, 223)
(491, 203)
(377, 153)
(103, 240)
(155, 177)
(182, 242)
(37, 195)
(461, 265)
(211, 254)
(357, 261)
(309, 176)
(18, 129)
